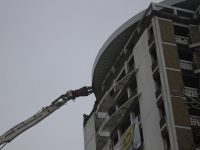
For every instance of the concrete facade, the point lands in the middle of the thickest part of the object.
(135, 82)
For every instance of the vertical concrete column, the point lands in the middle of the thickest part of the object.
(171, 79)
(90, 134)
(164, 34)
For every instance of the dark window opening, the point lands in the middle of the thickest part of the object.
(123, 99)
(115, 140)
(157, 82)
(162, 110)
(121, 76)
(125, 125)
(154, 56)
(184, 55)
(181, 31)
(131, 62)
(192, 82)
(193, 112)
(150, 32)
(166, 141)
(136, 110)
(196, 136)
(112, 92)
(111, 111)
(141, 135)
(133, 85)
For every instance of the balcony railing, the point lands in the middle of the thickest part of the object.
(108, 123)
(195, 120)
(191, 92)
(182, 40)
(194, 39)
(188, 65)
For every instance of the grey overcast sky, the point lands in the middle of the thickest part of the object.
(46, 48)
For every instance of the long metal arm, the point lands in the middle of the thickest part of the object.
(46, 111)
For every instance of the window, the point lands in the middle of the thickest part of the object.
(196, 136)
(136, 111)
(131, 62)
(112, 92)
(154, 55)
(190, 81)
(125, 125)
(150, 32)
(181, 31)
(157, 82)
(162, 110)
(192, 111)
(141, 134)
(185, 55)
(166, 141)
(115, 139)
(123, 99)
(133, 87)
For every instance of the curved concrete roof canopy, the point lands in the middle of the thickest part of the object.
(111, 49)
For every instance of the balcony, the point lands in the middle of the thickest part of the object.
(195, 121)
(122, 83)
(187, 65)
(194, 40)
(109, 122)
(193, 92)
(182, 40)
(108, 99)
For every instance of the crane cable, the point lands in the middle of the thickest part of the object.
(3, 145)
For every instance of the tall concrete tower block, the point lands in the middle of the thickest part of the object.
(135, 76)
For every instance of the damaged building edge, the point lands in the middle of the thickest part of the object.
(138, 82)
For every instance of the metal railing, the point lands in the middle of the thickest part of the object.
(173, 10)
(191, 92)
(195, 120)
(182, 40)
(186, 65)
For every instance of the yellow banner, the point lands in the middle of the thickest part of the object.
(127, 140)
